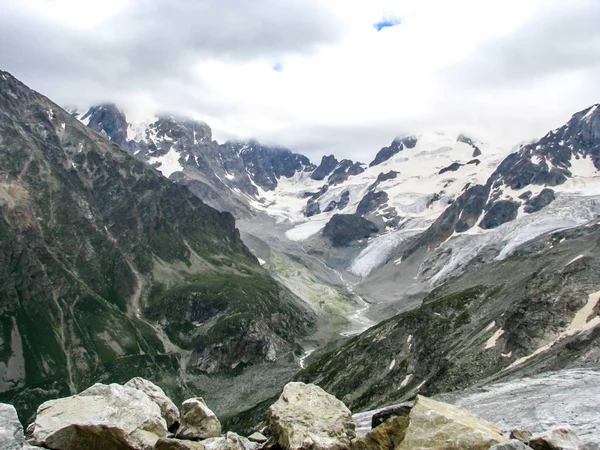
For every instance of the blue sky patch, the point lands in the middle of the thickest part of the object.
(386, 23)
(278, 67)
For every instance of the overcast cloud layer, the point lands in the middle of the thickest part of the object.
(322, 76)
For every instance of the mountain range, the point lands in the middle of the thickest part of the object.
(444, 263)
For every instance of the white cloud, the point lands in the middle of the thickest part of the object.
(515, 67)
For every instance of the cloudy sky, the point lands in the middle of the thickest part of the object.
(319, 76)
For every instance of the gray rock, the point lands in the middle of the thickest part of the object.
(231, 441)
(101, 417)
(167, 408)
(521, 435)
(513, 444)
(307, 417)
(198, 421)
(559, 438)
(343, 229)
(257, 437)
(11, 430)
(177, 444)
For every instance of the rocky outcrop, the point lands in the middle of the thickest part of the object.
(451, 168)
(328, 163)
(108, 120)
(168, 410)
(267, 164)
(500, 212)
(396, 146)
(343, 229)
(198, 421)
(345, 169)
(467, 140)
(101, 416)
(436, 425)
(371, 202)
(540, 201)
(306, 417)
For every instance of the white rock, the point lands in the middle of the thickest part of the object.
(101, 417)
(198, 421)
(169, 411)
(257, 437)
(307, 417)
(11, 430)
(230, 441)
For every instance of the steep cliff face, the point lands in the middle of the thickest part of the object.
(93, 243)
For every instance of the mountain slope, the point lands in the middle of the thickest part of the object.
(535, 311)
(97, 253)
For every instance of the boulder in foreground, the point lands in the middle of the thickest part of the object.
(167, 408)
(101, 417)
(560, 438)
(436, 426)
(198, 421)
(306, 417)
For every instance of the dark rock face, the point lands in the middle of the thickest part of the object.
(500, 212)
(84, 230)
(344, 200)
(387, 176)
(540, 201)
(393, 411)
(451, 168)
(467, 140)
(109, 120)
(461, 215)
(312, 208)
(345, 170)
(371, 202)
(267, 164)
(341, 204)
(396, 146)
(328, 163)
(343, 229)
